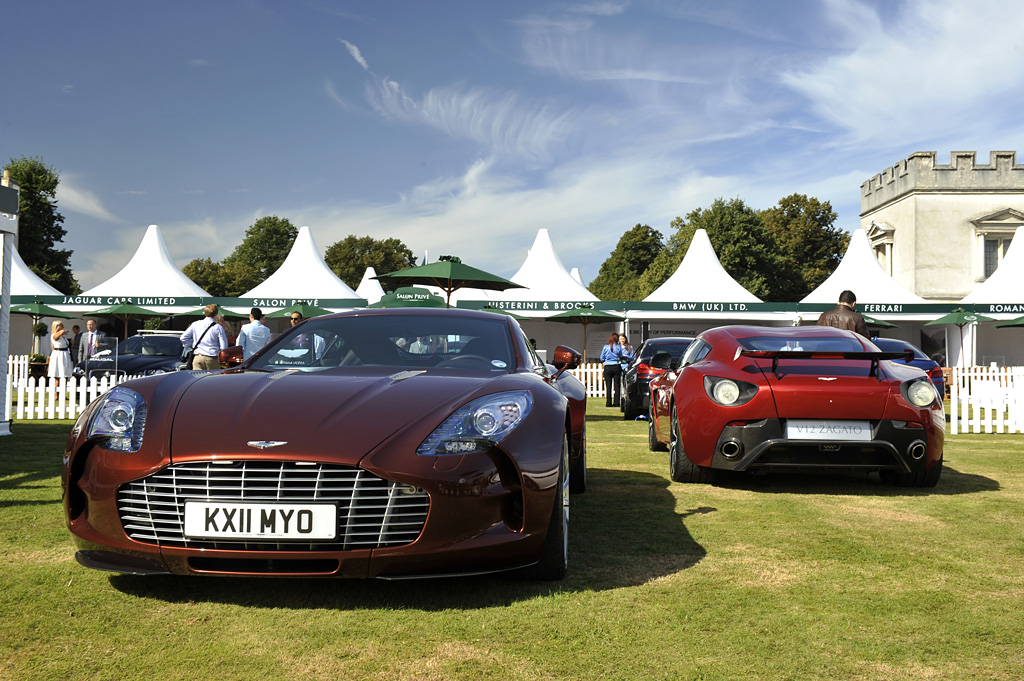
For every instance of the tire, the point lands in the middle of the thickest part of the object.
(554, 555)
(926, 478)
(681, 469)
(652, 438)
(578, 469)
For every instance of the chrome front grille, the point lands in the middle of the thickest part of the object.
(372, 512)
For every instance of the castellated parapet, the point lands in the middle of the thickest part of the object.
(919, 173)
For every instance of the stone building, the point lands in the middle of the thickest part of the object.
(940, 229)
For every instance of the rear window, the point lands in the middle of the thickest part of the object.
(775, 343)
(892, 345)
(649, 350)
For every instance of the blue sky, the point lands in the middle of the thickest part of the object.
(463, 127)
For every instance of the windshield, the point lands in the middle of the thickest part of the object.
(157, 346)
(394, 340)
(773, 343)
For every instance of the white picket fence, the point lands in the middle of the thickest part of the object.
(42, 398)
(986, 400)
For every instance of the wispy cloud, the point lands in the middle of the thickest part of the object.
(902, 80)
(356, 54)
(503, 122)
(73, 198)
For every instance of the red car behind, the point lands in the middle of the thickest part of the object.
(779, 399)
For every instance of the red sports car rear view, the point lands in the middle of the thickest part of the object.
(759, 398)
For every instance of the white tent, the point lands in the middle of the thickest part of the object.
(1006, 283)
(700, 276)
(150, 272)
(860, 272)
(369, 287)
(544, 276)
(25, 282)
(303, 274)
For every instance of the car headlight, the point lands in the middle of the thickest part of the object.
(119, 420)
(920, 392)
(478, 424)
(729, 392)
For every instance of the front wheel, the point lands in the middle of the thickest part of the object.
(681, 469)
(554, 556)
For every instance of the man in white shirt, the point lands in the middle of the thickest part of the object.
(253, 335)
(208, 339)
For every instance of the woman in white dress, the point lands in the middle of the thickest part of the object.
(60, 353)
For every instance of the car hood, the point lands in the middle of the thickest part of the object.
(337, 414)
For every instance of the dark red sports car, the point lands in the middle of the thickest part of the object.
(383, 443)
(759, 398)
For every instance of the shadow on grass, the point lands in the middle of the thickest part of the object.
(624, 531)
(854, 484)
(22, 464)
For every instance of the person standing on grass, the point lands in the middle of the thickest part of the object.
(611, 355)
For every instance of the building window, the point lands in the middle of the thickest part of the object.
(995, 250)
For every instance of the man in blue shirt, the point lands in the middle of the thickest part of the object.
(207, 338)
(253, 335)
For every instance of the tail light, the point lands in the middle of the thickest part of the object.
(646, 371)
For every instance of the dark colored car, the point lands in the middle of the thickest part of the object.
(751, 398)
(921, 360)
(637, 376)
(334, 452)
(142, 355)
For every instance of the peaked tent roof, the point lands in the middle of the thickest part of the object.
(25, 282)
(544, 276)
(1006, 282)
(150, 272)
(700, 276)
(303, 274)
(369, 287)
(860, 272)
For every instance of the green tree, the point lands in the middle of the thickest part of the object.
(208, 275)
(39, 223)
(266, 245)
(350, 257)
(805, 235)
(619, 276)
(740, 240)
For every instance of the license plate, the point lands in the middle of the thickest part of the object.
(260, 520)
(818, 429)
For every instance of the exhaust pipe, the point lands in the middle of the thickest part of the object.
(917, 451)
(731, 449)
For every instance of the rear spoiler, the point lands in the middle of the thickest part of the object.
(776, 355)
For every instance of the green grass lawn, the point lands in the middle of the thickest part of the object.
(774, 577)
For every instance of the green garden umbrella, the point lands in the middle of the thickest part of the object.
(39, 310)
(448, 275)
(1019, 321)
(410, 296)
(305, 309)
(586, 318)
(124, 312)
(880, 323)
(961, 318)
(200, 312)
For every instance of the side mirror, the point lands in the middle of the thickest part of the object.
(232, 356)
(661, 360)
(566, 358)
